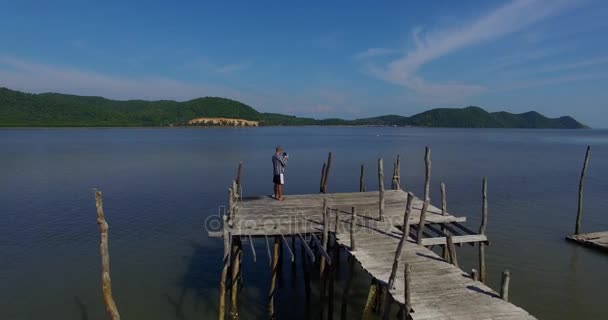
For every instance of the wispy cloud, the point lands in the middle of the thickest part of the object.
(576, 65)
(38, 77)
(430, 46)
(233, 67)
(374, 52)
(556, 80)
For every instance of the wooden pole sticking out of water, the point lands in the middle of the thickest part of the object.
(452, 251)
(326, 175)
(353, 221)
(427, 185)
(222, 304)
(322, 177)
(273, 279)
(579, 213)
(381, 188)
(395, 184)
(482, 230)
(371, 299)
(362, 179)
(504, 287)
(407, 306)
(444, 212)
(106, 282)
(239, 187)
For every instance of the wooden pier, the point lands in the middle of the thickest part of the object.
(390, 233)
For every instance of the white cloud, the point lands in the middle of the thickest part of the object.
(576, 65)
(430, 46)
(374, 52)
(233, 67)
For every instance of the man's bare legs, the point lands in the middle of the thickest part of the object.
(280, 192)
(276, 190)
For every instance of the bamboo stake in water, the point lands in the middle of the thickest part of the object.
(225, 260)
(504, 287)
(273, 279)
(579, 213)
(362, 179)
(106, 282)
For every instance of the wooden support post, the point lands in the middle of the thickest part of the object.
(230, 202)
(225, 260)
(381, 189)
(362, 179)
(427, 185)
(444, 212)
(482, 230)
(106, 282)
(252, 249)
(345, 298)
(371, 299)
(273, 279)
(452, 251)
(236, 252)
(307, 247)
(291, 253)
(579, 213)
(407, 306)
(391, 279)
(326, 175)
(353, 221)
(332, 274)
(475, 274)
(322, 177)
(324, 239)
(504, 287)
(239, 187)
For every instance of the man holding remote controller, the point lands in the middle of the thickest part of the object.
(279, 161)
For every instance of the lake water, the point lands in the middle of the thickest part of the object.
(160, 184)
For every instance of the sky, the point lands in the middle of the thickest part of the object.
(348, 59)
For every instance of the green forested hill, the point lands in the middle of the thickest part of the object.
(54, 110)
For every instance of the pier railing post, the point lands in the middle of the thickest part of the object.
(444, 212)
(239, 187)
(504, 287)
(236, 264)
(362, 179)
(326, 174)
(396, 174)
(427, 185)
(579, 213)
(381, 189)
(106, 283)
(322, 177)
(482, 230)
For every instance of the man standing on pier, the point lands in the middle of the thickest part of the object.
(279, 161)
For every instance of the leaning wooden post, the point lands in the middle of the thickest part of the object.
(482, 230)
(236, 259)
(427, 185)
(239, 187)
(452, 251)
(391, 279)
(325, 236)
(381, 189)
(362, 179)
(327, 173)
(579, 213)
(353, 221)
(225, 260)
(504, 287)
(407, 306)
(106, 282)
(273, 280)
(322, 177)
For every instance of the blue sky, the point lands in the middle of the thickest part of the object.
(323, 59)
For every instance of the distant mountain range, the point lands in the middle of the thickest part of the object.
(19, 109)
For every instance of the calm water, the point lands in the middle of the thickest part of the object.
(160, 184)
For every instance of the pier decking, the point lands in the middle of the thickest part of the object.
(438, 289)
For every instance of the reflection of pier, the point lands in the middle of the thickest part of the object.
(390, 233)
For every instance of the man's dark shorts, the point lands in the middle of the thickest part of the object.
(278, 179)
